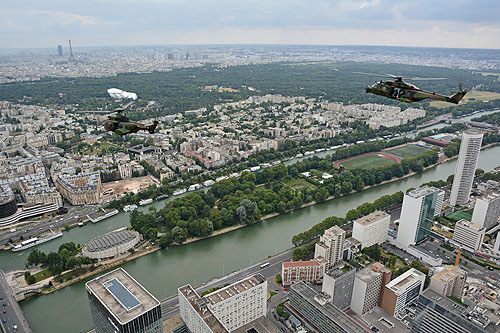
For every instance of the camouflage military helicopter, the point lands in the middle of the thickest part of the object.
(407, 92)
(121, 124)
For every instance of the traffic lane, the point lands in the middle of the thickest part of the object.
(13, 314)
(436, 246)
(54, 223)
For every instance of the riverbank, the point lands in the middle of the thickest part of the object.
(151, 249)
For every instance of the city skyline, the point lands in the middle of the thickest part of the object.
(379, 22)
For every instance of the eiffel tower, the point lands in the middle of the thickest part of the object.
(71, 56)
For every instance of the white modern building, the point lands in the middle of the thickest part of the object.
(331, 246)
(468, 235)
(195, 313)
(487, 210)
(226, 309)
(402, 291)
(111, 244)
(450, 281)
(420, 206)
(371, 229)
(466, 167)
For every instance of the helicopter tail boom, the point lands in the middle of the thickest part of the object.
(457, 97)
(151, 128)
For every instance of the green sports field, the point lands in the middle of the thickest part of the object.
(459, 215)
(407, 151)
(367, 162)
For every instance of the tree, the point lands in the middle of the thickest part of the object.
(179, 234)
(166, 240)
(151, 234)
(31, 279)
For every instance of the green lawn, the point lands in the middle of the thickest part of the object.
(458, 215)
(42, 275)
(407, 151)
(367, 162)
(298, 183)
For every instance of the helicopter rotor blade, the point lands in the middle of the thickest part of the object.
(426, 78)
(381, 75)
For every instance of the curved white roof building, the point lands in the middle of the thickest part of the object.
(121, 94)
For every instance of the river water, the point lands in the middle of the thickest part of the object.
(162, 272)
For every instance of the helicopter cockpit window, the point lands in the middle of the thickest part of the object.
(375, 85)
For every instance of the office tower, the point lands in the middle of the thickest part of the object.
(367, 287)
(371, 229)
(118, 303)
(465, 167)
(309, 271)
(468, 235)
(319, 312)
(420, 206)
(225, 309)
(436, 313)
(487, 210)
(402, 291)
(338, 284)
(449, 282)
(59, 50)
(331, 246)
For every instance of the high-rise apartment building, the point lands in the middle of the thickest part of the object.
(367, 287)
(118, 303)
(402, 291)
(371, 229)
(59, 50)
(468, 235)
(466, 167)
(420, 206)
(227, 309)
(319, 312)
(449, 282)
(307, 270)
(338, 284)
(487, 210)
(331, 246)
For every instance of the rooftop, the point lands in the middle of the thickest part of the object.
(235, 288)
(123, 296)
(449, 273)
(405, 280)
(202, 310)
(469, 225)
(110, 240)
(372, 218)
(332, 312)
(301, 263)
(422, 192)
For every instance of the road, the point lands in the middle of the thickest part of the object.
(170, 306)
(13, 315)
(74, 215)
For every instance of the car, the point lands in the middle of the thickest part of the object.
(14, 327)
(4, 304)
(4, 321)
(4, 311)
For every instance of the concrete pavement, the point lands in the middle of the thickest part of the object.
(13, 316)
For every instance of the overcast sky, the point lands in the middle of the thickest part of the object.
(437, 23)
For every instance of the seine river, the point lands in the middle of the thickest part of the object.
(67, 310)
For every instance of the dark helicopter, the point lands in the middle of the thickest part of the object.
(407, 92)
(121, 124)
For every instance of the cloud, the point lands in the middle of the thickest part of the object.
(38, 20)
(427, 22)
